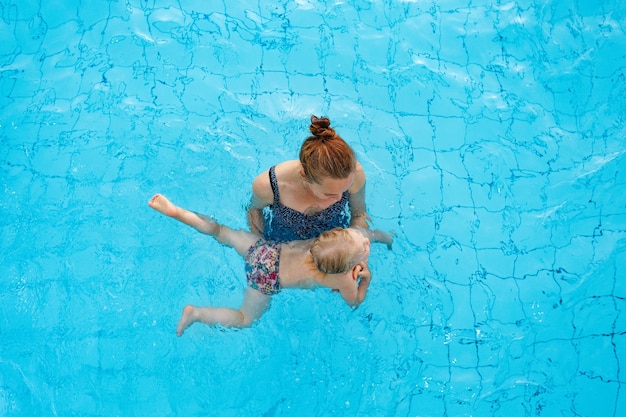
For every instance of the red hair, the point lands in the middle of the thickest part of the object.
(326, 154)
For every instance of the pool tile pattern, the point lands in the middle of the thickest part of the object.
(492, 134)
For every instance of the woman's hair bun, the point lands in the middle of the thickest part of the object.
(320, 127)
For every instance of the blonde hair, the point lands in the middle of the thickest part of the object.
(334, 251)
(326, 154)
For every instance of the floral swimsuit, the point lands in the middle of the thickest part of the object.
(262, 262)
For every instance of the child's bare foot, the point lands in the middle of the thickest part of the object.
(164, 206)
(189, 317)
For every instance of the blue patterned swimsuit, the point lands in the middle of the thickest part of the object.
(284, 224)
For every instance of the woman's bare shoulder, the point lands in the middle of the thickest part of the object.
(286, 168)
(261, 186)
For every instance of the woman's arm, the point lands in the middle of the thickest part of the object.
(358, 211)
(256, 222)
(377, 236)
(261, 196)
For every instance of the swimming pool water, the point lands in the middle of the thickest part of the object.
(492, 134)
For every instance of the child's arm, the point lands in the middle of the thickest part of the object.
(355, 296)
(364, 283)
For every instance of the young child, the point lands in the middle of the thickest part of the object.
(337, 259)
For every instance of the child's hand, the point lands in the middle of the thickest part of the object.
(365, 277)
(365, 274)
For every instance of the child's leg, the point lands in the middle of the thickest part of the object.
(238, 239)
(201, 223)
(254, 305)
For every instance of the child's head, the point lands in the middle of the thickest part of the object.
(337, 251)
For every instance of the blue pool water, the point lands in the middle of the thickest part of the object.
(492, 134)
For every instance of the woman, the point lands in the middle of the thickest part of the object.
(300, 199)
